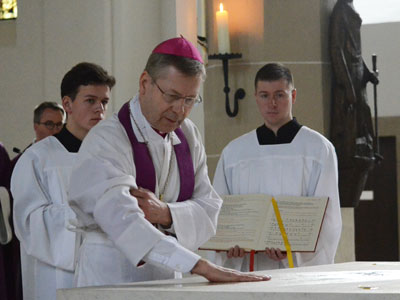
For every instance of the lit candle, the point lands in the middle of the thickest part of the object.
(223, 30)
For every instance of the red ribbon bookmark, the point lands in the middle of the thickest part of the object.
(251, 267)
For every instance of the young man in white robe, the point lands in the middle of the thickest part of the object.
(40, 182)
(140, 187)
(281, 157)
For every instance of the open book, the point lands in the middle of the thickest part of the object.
(250, 222)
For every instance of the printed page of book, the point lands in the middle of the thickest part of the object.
(239, 222)
(302, 218)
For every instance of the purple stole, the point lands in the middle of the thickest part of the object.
(145, 172)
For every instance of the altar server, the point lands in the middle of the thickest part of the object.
(40, 182)
(140, 187)
(281, 157)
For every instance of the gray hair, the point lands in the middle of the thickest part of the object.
(159, 62)
(38, 112)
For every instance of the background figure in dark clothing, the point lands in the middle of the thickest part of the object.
(5, 170)
(10, 266)
(351, 123)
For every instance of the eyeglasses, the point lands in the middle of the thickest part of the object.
(170, 98)
(51, 125)
(278, 96)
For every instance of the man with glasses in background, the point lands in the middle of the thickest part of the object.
(140, 187)
(40, 184)
(281, 157)
(48, 119)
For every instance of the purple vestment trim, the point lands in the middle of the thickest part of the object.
(185, 165)
(145, 172)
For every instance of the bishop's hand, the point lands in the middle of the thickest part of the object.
(216, 273)
(155, 211)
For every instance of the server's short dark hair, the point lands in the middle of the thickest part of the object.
(84, 74)
(273, 72)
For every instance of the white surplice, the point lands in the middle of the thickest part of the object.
(41, 214)
(117, 236)
(305, 167)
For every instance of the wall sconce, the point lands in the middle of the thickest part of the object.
(224, 54)
(240, 93)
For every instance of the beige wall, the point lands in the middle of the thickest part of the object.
(384, 41)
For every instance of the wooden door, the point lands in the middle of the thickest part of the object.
(376, 222)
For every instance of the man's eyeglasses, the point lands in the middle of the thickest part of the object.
(170, 98)
(51, 125)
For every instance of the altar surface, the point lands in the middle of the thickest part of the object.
(356, 280)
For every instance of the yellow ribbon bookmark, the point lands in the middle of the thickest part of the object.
(283, 232)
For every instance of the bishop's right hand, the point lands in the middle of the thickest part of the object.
(214, 273)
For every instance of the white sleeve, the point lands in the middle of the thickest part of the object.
(329, 237)
(195, 220)
(99, 194)
(167, 252)
(222, 180)
(39, 222)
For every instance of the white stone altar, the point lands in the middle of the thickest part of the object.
(355, 280)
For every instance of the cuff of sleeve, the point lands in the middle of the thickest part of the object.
(170, 229)
(169, 253)
(138, 239)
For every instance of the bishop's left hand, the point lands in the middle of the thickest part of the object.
(155, 211)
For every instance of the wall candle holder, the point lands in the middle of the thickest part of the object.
(240, 93)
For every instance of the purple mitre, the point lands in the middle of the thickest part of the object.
(180, 47)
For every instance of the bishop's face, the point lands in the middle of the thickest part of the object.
(87, 109)
(162, 114)
(275, 100)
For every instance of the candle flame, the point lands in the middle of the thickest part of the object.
(221, 7)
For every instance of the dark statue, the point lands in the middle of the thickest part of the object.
(351, 122)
